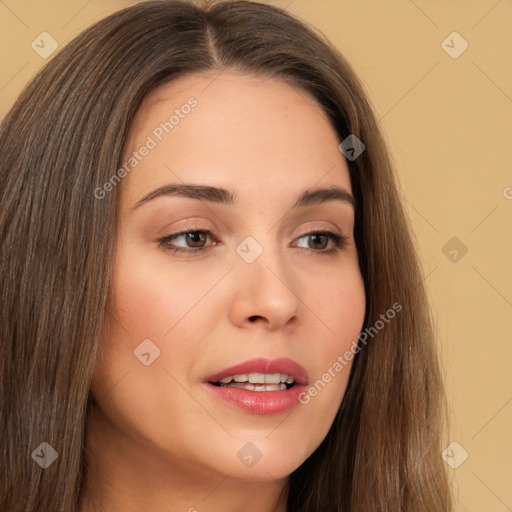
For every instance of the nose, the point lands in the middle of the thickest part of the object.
(264, 295)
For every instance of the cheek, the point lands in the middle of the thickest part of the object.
(151, 300)
(341, 308)
(147, 302)
(347, 306)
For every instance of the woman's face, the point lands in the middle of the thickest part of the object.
(260, 285)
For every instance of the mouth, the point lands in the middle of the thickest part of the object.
(261, 375)
(260, 386)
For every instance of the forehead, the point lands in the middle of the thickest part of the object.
(243, 132)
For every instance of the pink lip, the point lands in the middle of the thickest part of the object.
(261, 402)
(262, 365)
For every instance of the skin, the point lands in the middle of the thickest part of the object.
(157, 439)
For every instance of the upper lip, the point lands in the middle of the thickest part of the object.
(262, 365)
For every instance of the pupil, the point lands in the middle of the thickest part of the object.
(315, 238)
(196, 237)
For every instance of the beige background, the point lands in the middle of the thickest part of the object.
(448, 122)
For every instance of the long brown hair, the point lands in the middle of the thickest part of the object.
(63, 139)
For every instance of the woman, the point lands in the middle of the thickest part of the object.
(211, 298)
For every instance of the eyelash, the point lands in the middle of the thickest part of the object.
(339, 241)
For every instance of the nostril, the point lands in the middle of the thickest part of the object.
(254, 318)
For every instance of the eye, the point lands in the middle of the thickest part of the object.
(318, 241)
(190, 240)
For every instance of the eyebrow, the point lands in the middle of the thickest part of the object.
(224, 196)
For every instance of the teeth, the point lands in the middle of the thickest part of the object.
(256, 387)
(259, 378)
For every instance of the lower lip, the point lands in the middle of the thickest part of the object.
(259, 402)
